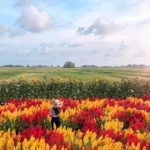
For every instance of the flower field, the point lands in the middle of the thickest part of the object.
(91, 124)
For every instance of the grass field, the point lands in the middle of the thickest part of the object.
(83, 74)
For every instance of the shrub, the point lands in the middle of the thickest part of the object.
(73, 89)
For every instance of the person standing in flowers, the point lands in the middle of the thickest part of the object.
(55, 110)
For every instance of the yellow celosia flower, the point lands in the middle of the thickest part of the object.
(108, 143)
(133, 147)
(113, 124)
(143, 136)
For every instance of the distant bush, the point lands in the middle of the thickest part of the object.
(74, 89)
(69, 64)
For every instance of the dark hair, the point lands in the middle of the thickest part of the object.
(56, 110)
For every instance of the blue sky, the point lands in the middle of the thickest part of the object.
(97, 32)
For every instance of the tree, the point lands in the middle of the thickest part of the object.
(69, 64)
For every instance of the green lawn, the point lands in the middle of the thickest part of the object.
(84, 74)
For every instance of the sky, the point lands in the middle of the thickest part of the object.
(86, 32)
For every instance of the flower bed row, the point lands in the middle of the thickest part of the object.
(85, 124)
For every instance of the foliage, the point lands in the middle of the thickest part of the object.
(74, 89)
(69, 64)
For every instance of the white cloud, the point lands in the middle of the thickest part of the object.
(140, 53)
(23, 53)
(34, 20)
(9, 31)
(136, 2)
(123, 46)
(24, 3)
(75, 45)
(100, 27)
(4, 29)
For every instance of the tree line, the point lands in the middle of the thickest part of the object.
(70, 64)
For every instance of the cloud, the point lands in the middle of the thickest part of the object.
(43, 45)
(63, 44)
(140, 53)
(4, 30)
(24, 53)
(136, 2)
(24, 3)
(27, 51)
(122, 50)
(109, 54)
(75, 45)
(9, 31)
(46, 48)
(34, 20)
(123, 46)
(99, 27)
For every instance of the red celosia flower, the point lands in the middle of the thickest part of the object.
(52, 137)
(135, 120)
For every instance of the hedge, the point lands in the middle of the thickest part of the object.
(74, 89)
